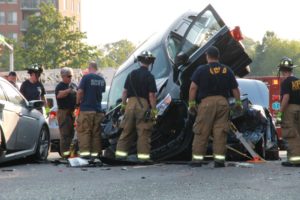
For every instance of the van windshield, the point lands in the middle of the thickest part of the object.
(160, 69)
(203, 29)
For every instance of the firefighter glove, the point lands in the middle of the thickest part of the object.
(192, 107)
(154, 113)
(279, 117)
(123, 107)
(238, 105)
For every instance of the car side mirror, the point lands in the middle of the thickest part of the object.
(181, 59)
(35, 104)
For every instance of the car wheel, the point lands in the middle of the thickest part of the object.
(42, 149)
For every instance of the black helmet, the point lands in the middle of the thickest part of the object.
(286, 64)
(146, 57)
(35, 68)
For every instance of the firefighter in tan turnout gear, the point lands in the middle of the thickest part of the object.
(89, 96)
(65, 93)
(290, 112)
(211, 86)
(139, 90)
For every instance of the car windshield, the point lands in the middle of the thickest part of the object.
(160, 69)
(204, 28)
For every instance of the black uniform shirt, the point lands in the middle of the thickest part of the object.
(93, 86)
(142, 81)
(32, 91)
(69, 101)
(291, 86)
(214, 79)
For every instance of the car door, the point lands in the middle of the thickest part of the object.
(208, 29)
(9, 119)
(27, 121)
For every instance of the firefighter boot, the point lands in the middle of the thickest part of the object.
(219, 164)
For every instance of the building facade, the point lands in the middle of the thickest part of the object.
(14, 14)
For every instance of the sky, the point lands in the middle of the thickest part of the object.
(107, 21)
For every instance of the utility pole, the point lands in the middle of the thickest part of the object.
(11, 52)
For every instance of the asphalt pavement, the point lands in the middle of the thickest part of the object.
(238, 181)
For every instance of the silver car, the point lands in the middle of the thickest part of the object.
(23, 129)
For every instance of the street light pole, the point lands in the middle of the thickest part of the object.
(11, 52)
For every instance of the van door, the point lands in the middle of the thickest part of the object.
(206, 30)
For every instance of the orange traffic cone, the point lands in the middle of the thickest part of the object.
(256, 159)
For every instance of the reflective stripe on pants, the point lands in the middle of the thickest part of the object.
(85, 153)
(143, 156)
(198, 157)
(295, 159)
(66, 153)
(121, 154)
(219, 157)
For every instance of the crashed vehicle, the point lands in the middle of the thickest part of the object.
(179, 51)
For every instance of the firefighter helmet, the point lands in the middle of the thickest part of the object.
(35, 68)
(146, 57)
(286, 64)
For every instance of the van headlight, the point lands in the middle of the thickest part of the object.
(163, 105)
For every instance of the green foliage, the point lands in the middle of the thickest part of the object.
(53, 41)
(269, 53)
(114, 54)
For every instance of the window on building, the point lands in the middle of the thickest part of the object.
(13, 36)
(11, 1)
(2, 17)
(12, 18)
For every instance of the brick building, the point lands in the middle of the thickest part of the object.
(14, 14)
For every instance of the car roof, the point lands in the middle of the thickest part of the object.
(256, 91)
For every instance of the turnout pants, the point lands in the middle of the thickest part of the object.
(134, 125)
(212, 118)
(291, 132)
(89, 133)
(65, 120)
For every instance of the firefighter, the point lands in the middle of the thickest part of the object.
(138, 98)
(289, 113)
(89, 97)
(211, 85)
(65, 93)
(32, 88)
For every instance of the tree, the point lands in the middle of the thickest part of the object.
(52, 40)
(269, 53)
(114, 54)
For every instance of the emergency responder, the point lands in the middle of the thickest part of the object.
(32, 88)
(65, 93)
(211, 85)
(139, 90)
(290, 112)
(89, 97)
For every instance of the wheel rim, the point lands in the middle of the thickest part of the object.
(44, 143)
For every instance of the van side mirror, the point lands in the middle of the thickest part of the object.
(35, 104)
(181, 59)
